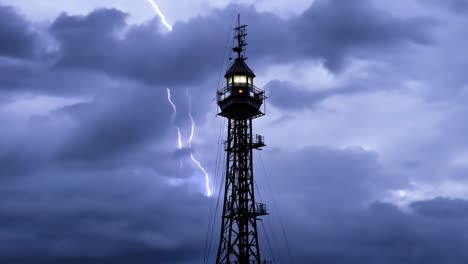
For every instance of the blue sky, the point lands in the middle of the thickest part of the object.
(366, 159)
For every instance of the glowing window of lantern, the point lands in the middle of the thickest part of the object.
(240, 79)
(229, 80)
(250, 80)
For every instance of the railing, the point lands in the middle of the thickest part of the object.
(254, 92)
(258, 141)
(258, 210)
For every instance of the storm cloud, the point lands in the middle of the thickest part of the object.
(366, 156)
(18, 38)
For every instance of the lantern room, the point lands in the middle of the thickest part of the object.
(240, 98)
(239, 74)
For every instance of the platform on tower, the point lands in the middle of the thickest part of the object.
(241, 101)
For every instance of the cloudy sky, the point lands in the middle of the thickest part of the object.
(367, 151)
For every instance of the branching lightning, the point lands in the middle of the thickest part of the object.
(192, 133)
(160, 14)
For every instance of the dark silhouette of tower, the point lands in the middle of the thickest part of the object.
(240, 102)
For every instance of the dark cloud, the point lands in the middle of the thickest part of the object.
(333, 224)
(116, 125)
(122, 215)
(103, 43)
(442, 207)
(143, 53)
(384, 234)
(105, 131)
(18, 39)
(287, 96)
(89, 40)
(336, 30)
(343, 178)
(14, 74)
(324, 196)
(194, 49)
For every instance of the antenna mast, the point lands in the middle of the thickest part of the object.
(241, 43)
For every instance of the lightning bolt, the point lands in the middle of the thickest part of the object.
(160, 14)
(192, 132)
(174, 108)
(174, 113)
(207, 177)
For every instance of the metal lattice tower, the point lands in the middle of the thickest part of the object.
(240, 102)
